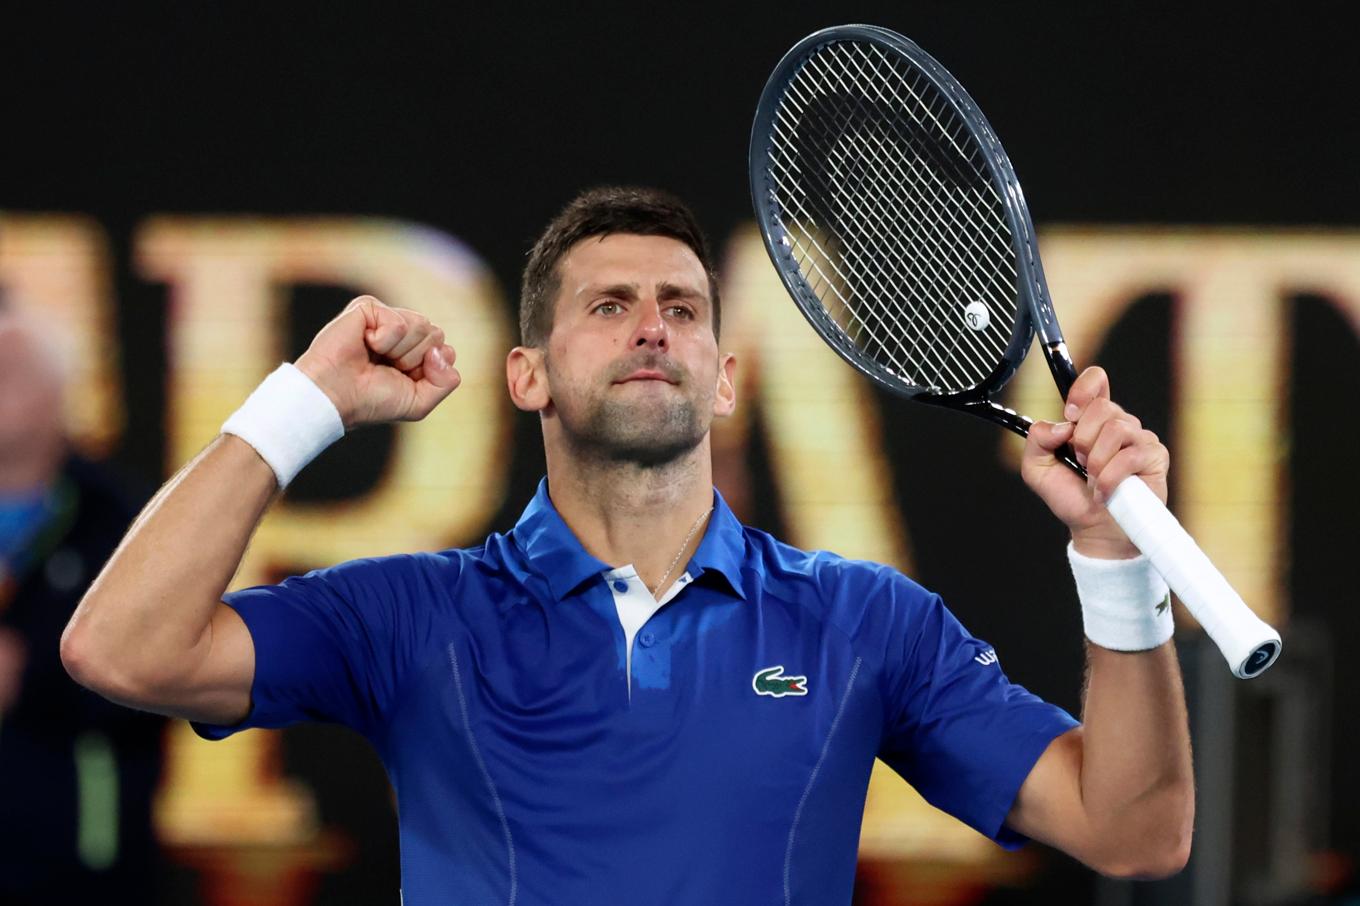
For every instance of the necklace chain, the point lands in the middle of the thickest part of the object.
(692, 529)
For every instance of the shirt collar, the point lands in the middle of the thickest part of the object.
(558, 556)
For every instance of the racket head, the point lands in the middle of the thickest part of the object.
(891, 212)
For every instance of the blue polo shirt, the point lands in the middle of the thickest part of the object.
(730, 767)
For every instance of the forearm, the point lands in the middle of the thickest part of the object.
(146, 616)
(1137, 785)
(1117, 793)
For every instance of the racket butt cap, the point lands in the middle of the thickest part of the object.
(1259, 661)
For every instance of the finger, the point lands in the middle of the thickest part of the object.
(1144, 460)
(416, 354)
(1093, 418)
(430, 394)
(1092, 384)
(418, 327)
(364, 305)
(1116, 434)
(438, 366)
(385, 329)
(1049, 436)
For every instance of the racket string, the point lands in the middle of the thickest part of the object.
(886, 327)
(987, 224)
(876, 263)
(822, 278)
(965, 232)
(914, 337)
(879, 143)
(943, 276)
(901, 195)
(805, 258)
(900, 366)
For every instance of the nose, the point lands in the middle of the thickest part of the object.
(651, 330)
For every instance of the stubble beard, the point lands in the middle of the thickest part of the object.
(644, 432)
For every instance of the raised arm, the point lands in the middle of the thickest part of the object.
(1118, 792)
(152, 631)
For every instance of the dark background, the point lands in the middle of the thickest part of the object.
(482, 121)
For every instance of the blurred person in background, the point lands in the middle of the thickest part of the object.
(77, 774)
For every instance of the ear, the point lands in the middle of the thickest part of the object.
(527, 379)
(725, 399)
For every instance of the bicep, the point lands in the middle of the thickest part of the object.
(1049, 807)
(215, 689)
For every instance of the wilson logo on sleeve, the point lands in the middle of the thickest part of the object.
(987, 658)
(769, 682)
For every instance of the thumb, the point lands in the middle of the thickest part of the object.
(1049, 436)
(438, 379)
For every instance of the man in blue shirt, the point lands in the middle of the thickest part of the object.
(631, 694)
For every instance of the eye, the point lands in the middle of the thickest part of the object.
(683, 312)
(608, 307)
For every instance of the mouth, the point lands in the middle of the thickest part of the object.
(645, 374)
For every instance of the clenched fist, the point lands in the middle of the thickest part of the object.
(380, 364)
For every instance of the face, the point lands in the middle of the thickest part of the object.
(631, 371)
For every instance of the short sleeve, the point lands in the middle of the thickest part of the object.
(956, 728)
(335, 644)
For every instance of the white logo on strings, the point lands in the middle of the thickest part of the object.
(987, 657)
(977, 315)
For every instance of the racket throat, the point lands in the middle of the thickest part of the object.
(1012, 421)
(1060, 363)
(983, 407)
(997, 414)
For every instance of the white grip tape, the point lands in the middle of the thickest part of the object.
(288, 420)
(1201, 587)
(1124, 603)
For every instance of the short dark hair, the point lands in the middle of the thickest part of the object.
(601, 212)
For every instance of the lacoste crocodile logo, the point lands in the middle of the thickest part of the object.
(1163, 605)
(769, 682)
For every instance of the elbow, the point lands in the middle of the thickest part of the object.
(1175, 861)
(1155, 856)
(1149, 865)
(76, 657)
(96, 668)
(86, 664)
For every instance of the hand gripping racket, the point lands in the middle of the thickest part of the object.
(896, 222)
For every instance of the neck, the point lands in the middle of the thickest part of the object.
(626, 513)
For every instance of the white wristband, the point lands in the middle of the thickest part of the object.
(288, 420)
(1125, 604)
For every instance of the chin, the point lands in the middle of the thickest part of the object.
(648, 434)
(652, 455)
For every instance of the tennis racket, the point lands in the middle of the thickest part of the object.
(896, 223)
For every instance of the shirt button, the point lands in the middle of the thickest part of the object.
(647, 639)
(620, 586)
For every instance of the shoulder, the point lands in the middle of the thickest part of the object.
(423, 575)
(853, 594)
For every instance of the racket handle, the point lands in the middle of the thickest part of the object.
(1248, 643)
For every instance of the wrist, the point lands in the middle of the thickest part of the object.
(318, 372)
(289, 420)
(1125, 602)
(1100, 545)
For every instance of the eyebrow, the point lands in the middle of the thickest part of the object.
(675, 291)
(664, 291)
(627, 291)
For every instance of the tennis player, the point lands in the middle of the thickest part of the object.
(631, 696)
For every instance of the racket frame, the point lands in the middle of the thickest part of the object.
(1034, 311)
(1249, 645)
